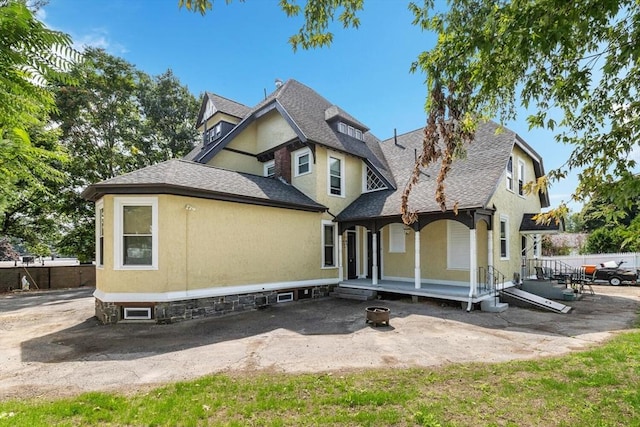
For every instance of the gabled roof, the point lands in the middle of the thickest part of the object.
(471, 182)
(304, 109)
(222, 104)
(181, 177)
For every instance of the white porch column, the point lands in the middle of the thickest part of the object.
(473, 263)
(490, 253)
(374, 266)
(417, 272)
(340, 272)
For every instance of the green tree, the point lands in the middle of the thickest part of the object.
(31, 56)
(579, 61)
(115, 120)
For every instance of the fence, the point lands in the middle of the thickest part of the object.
(48, 277)
(631, 260)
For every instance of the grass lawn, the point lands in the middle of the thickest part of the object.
(599, 387)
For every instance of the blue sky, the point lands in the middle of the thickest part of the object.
(238, 50)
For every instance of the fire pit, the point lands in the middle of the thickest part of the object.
(377, 315)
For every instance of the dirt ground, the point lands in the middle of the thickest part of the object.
(51, 345)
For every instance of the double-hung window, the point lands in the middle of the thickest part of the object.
(270, 168)
(520, 177)
(302, 162)
(336, 173)
(136, 233)
(328, 244)
(100, 234)
(510, 174)
(504, 237)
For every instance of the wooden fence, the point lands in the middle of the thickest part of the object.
(48, 277)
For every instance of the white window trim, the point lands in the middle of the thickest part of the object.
(342, 176)
(266, 166)
(296, 157)
(451, 250)
(505, 219)
(335, 245)
(342, 127)
(397, 239)
(99, 206)
(509, 175)
(521, 167)
(119, 204)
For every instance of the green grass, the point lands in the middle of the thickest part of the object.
(599, 387)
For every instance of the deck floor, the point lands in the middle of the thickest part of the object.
(430, 290)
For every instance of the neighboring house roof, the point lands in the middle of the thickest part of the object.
(471, 182)
(306, 111)
(186, 178)
(530, 226)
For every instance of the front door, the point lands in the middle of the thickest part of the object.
(351, 255)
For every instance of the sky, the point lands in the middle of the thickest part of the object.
(237, 50)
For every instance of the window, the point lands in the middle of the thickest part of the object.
(372, 181)
(136, 233)
(504, 237)
(100, 234)
(270, 169)
(458, 246)
(396, 238)
(328, 244)
(350, 130)
(510, 174)
(335, 177)
(520, 177)
(303, 162)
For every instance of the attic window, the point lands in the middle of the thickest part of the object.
(373, 181)
(350, 130)
(215, 132)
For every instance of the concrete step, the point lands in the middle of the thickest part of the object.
(491, 306)
(366, 296)
(354, 291)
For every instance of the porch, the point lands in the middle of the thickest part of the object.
(451, 292)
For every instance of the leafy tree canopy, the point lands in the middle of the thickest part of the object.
(577, 61)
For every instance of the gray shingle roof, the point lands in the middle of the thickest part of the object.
(471, 181)
(306, 109)
(228, 106)
(198, 180)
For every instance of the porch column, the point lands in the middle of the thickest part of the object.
(490, 254)
(340, 272)
(417, 272)
(374, 261)
(473, 263)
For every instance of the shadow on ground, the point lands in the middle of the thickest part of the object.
(89, 340)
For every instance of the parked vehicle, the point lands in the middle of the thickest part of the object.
(612, 272)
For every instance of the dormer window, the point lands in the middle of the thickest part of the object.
(350, 130)
(214, 133)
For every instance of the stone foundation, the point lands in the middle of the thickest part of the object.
(176, 311)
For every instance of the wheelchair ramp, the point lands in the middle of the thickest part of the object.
(536, 300)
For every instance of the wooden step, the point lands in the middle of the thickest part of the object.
(352, 296)
(355, 291)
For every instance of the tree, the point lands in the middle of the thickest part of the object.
(116, 120)
(31, 56)
(579, 60)
(7, 252)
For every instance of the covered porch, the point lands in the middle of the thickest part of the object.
(429, 290)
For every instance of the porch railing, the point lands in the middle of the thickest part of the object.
(490, 280)
(551, 270)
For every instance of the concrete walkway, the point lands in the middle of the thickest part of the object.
(51, 345)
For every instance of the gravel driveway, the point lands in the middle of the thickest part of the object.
(51, 345)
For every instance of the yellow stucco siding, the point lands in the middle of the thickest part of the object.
(230, 160)
(216, 118)
(221, 244)
(512, 206)
(272, 130)
(352, 179)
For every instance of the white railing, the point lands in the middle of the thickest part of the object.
(631, 259)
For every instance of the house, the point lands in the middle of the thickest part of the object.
(290, 198)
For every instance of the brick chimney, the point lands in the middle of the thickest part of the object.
(282, 160)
